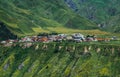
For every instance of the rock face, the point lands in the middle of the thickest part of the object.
(6, 66)
(71, 4)
(20, 66)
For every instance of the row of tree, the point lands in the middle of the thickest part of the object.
(5, 33)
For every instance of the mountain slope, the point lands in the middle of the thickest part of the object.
(26, 17)
(105, 13)
(54, 60)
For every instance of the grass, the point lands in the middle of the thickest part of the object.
(12, 25)
(101, 12)
(68, 30)
(24, 17)
(40, 30)
(48, 63)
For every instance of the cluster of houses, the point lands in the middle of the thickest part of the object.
(77, 37)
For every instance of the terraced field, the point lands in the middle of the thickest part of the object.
(60, 60)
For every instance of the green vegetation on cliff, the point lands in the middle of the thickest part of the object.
(103, 12)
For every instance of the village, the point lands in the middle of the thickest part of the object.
(47, 38)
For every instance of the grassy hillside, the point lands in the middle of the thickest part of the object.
(103, 12)
(24, 16)
(60, 60)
